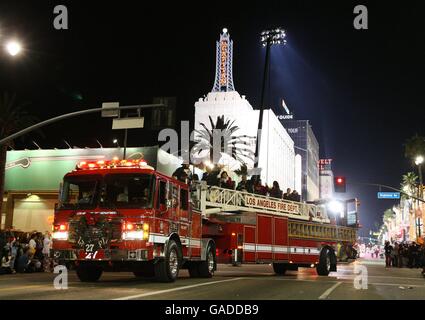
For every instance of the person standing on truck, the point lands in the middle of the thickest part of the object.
(287, 195)
(211, 176)
(225, 181)
(295, 196)
(275, 192)
(244, 185)
(183, 173)
(259, 188)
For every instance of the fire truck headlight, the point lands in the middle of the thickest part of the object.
(133, 235)
(137, 232)
(145, 231)
(60, 235)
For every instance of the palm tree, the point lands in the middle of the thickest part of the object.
(388, 215)
(414, 146)
(13, 118)
(242, 171)
(408, 184)
(226, 129)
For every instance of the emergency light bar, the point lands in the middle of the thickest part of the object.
(110, 164)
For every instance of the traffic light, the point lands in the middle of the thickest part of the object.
(339, 184)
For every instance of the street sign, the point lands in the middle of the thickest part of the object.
(388, 195)
(110, 113)
(128, 123)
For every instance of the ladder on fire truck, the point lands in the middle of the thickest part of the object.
(215, 200)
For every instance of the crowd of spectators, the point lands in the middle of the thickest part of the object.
(217, 177)
(24, 252)
(403, 254)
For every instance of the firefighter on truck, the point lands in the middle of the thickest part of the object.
(123, 215)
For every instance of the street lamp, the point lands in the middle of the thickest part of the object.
(268, 38)
(13, 47)
(115, 141)
(336, 207)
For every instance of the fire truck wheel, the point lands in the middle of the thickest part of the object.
(279, 268)
(324, 266)
(167, 269)
(89, 273)
(206, 268)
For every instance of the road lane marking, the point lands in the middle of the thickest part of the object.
(175, 289)
(23, 287)
(329, 291)
(397, 284)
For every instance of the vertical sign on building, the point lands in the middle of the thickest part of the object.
(326, 178)
(223, 70)
(223, 63)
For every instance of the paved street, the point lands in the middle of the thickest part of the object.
(230, 283)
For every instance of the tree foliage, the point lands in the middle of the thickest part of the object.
(225, 129)
(414, 146)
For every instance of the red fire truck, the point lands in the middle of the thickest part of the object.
(123, 215)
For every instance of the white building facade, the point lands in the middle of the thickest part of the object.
(277, 158)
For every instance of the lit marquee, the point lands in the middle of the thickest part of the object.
(224, 73)
(223, 65)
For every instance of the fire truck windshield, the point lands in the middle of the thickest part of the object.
(80, 192)
(127, 191)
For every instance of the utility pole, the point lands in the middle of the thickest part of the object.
(268, 38)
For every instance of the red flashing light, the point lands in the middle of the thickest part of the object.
(128, 226)
(339, 180)
(112, 164)
(60, 227)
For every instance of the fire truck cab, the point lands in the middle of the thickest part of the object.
(125, 216)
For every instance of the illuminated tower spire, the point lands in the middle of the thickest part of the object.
(223, 66)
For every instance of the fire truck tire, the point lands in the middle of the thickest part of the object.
(279, 268)
(324, 266)
(167, 269)
(206, 268)
(89, 273)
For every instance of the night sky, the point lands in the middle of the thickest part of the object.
(362, 90)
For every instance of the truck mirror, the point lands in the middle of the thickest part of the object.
(60, 192)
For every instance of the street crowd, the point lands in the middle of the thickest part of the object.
(220, 178)
(411, 255)
(24, 252)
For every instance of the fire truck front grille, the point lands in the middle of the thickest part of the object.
(110, 231)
